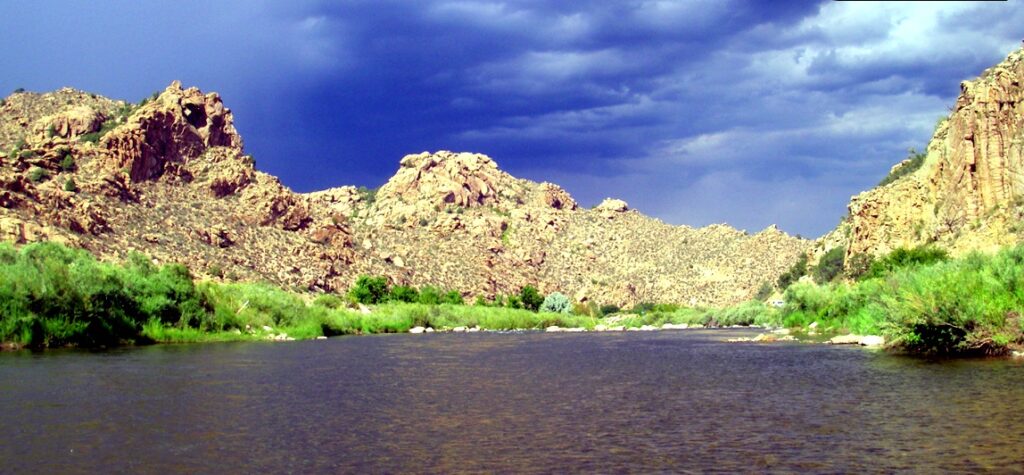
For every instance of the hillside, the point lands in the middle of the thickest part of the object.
(168, 177)
(968, 193)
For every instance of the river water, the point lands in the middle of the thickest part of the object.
(680, 401)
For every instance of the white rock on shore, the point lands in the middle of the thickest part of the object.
(674, 326)
(417, 330)
(862, 340)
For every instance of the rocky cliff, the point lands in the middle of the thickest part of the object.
(169, 177)
(968, 192)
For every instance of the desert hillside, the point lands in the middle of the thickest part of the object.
(168, 177)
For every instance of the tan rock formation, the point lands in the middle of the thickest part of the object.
(179, 125)
(969, 191)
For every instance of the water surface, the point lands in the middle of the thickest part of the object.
(514, 403)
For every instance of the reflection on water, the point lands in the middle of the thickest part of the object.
(637, 402)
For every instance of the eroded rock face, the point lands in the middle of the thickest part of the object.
(965, 195)
(445, 179)
(71, 122)
(179, 125)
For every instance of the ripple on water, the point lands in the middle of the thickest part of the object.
(523, 403)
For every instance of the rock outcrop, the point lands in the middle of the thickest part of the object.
(969, 191)
(177, 126)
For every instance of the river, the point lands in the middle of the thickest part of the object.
(673, 401)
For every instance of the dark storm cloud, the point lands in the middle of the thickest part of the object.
(694, 111)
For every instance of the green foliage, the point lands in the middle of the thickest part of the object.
(107, 126)
(914, 162)
(859, 265)
(403, 293)
(369, 195)
(903, 257)
(37, 174)
(794, 273)
(830, 265)
(530, 298)
(215, 270)
(51, 295)
(452, 297)
(430, 295)
(70, 185)
(609, 309)
(924, 303)
(68, 163)
(764, 291)
(555, 302)
(369, 290)
(329, 301)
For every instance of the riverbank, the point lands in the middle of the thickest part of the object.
(54, 296)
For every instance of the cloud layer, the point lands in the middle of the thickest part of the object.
(693, 111)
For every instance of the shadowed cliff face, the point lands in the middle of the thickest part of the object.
(169, 178)
(967, 194)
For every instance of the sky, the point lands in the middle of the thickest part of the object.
(695, 112)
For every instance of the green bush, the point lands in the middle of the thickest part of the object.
(798, 270)
(369, 290)
(68, 163)
(764, 291)
(403, 293)
(70, 185)
(37, 174)
(452, 297)
(830, 265)
(609, 309)
(915, 160)
(530, 298)
(430, 295)
(903, 258)
(555, 302)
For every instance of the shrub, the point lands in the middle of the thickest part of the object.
(530, 298)
(369, 290)
(329, 301)
(903, 258)
(68, 163)
(798, 270)
(403, 293)
(430, 295)
(37, 174)
(452, 297)
(764, 291)
(555, 302)
(859, 265)
(913, 162)
(70, 185)
(609, 309)
(830, 265)
(369, 195)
